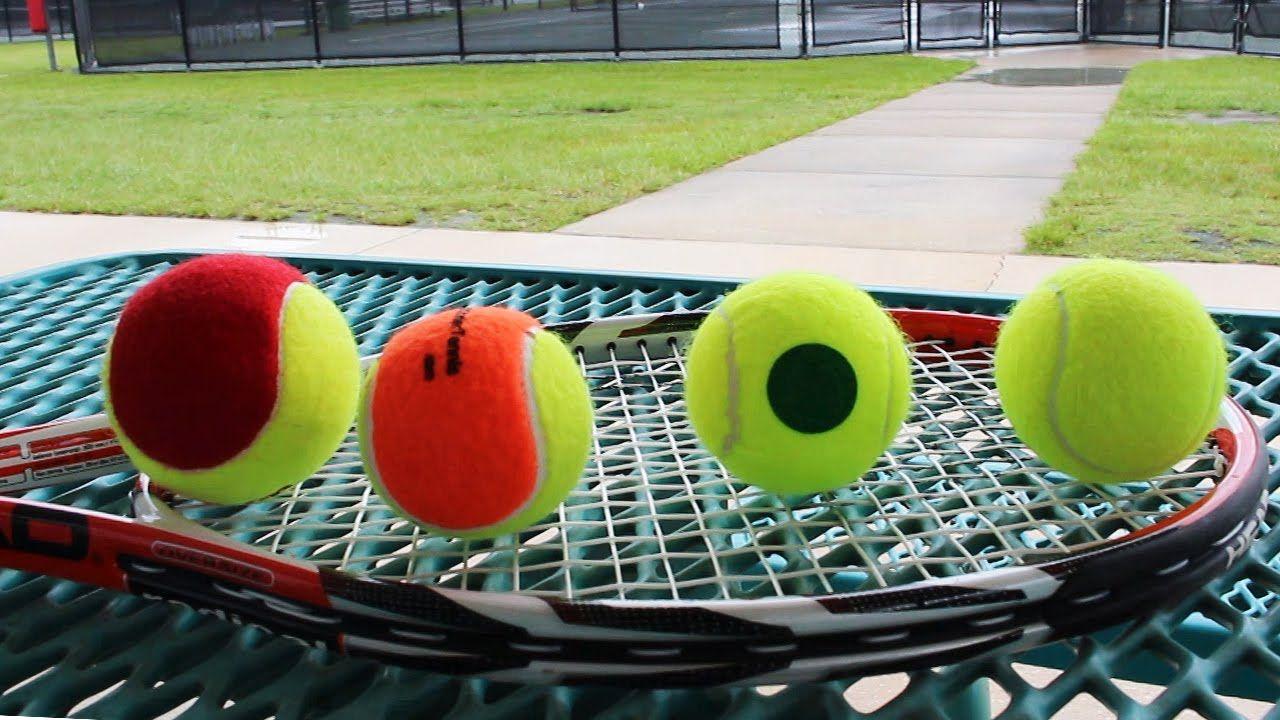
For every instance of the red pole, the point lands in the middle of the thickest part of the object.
(38, 18)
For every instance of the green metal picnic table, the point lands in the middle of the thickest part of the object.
(70, 650)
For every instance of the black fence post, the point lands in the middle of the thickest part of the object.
(182, 26)
(1239, 26)
(910, 18)
(315, 27)
(462, 42)
(617, 31)
(1164, 22)
(75, 36)
(806, 21)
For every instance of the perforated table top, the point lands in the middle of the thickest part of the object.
(68, 650)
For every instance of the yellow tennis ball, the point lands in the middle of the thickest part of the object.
(1111, 371)
(797, 382)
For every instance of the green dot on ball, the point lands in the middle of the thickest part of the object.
(812, 388)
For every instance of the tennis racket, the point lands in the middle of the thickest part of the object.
(661, 569)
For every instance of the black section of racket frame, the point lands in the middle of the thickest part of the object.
(415, 626)
(499, 646)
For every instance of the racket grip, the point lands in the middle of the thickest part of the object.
(52, 540)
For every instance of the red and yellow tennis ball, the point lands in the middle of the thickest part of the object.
(475, 423)
(229, 377)
(1111, 371)
(797, 382)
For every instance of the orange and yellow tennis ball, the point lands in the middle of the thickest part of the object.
(475, 423)
(229, 377)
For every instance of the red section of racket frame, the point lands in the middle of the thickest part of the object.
(87, 546)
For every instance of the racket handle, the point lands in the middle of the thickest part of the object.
(53, 540)
(60, 452)
(137, 555)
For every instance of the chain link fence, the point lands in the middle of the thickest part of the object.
(209, 34)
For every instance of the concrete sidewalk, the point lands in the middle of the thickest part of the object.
(33, 240)
(963, 166)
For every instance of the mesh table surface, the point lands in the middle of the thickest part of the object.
(69, 650)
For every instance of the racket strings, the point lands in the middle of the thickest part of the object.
(658, 517)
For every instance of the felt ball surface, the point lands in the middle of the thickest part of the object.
(1111, 371)
(229, 377)
(475, 422)
(797, 382)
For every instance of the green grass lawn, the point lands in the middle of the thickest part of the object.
(1154, 186)
(509, 146)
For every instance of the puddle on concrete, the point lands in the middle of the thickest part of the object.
(1051, 77)
(1232, 117)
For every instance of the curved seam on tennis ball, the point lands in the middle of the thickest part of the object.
(535, 416)
(1059, 368)
(536, 429)
(275, 407)
(539, 441)
(1215, 401)
(731, 408)
(888, 398)
(369, 451)
(280, 348)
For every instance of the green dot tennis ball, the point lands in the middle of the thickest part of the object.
(229, 377)
(475, 423)
(797, 382)
(1111, 371)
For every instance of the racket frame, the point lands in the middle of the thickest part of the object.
(159, 553)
